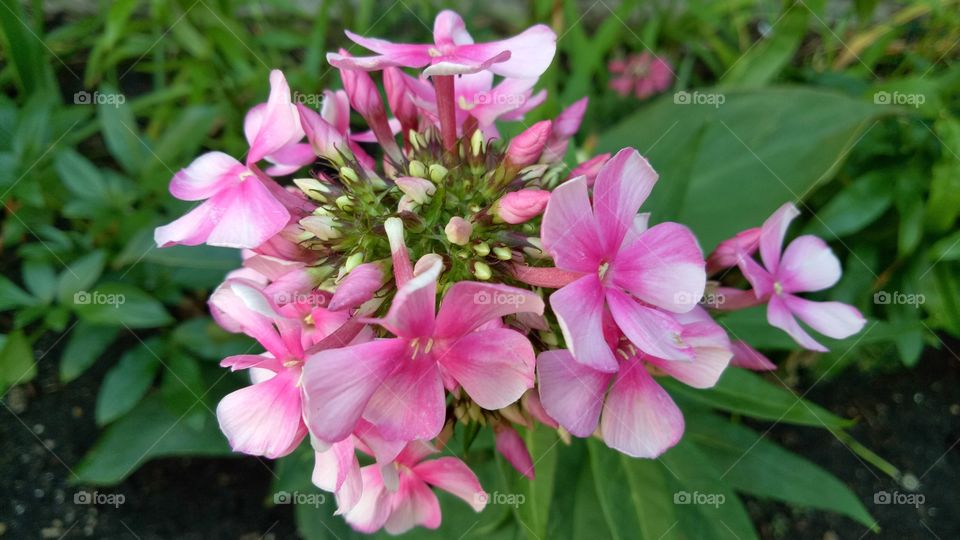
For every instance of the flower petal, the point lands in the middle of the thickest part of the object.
(469, 304)
(779, 315)
(495, 367)
(654, 332)
(579, 311)
(712, 354)
(264, 419)
(745, 356)
(413, 309)
(569, 230)
(453, 476)
(621, 187)
(832, 319)
(372, 510)
(511, 446)
(280, 122)
(409, 404)
(570, 392)
(357, 287)
(531, 52)
(808, 265)
(205, 176)
(414, 504)
(772, 234)
(640, 419)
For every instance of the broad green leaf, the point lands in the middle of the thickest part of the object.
(12, 296)
(127, 382)
(120, 304)
(946, 249)
(40, 279)
(855, 207)
(149, 431)
(85, 344)
(753, 464)
(943, 204)
(764, 60)
(743, 392)
(120, 131)
(183, 388)
(804, 135)
(79, 276)
(208, 340)
(24, 50)
(17, 363)
(542, 444)
(81, 178)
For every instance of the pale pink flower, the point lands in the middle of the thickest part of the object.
(642, 74)
(639, 274)
(526, 55)
(807, 265)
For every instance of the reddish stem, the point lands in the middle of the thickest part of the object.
(443, 86)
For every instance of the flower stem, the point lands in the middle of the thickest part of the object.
(443, 86)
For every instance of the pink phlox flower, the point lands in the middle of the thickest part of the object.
(642, 74)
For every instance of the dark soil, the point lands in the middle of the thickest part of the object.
(911, 418)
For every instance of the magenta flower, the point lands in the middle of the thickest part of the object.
(624, 269)
(635, 414)
(807, 265)
(406, 501)
(642, 74)
(453, 52)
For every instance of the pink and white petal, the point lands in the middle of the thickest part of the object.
(383, 450)
(779, 315)
(357, 287)
(335, 110)
(373, 508)
(332, 466)
(712, 354)
(772, 234)
(462, 65)
(247, 361)
(745, 356)
(246, 216)
(663, 267)
(639, 418)
(621, 187)
(205, 176)
(579, 308)
(569, 231)
(402, 54)
(495, 367)
(832, 319)
(570, 392)
(757, 276)
(338, 383)
(414, 504)
(413, 310)
(654, 332)
(469, 304)
(264, 419)
(349, 493)
(449, 29)
(409, 404)
(453, 476)
(280, 123)
(191, 229)
(530, 402)
(531, 52)
(511, 446)
(808, 265)
(290, 159)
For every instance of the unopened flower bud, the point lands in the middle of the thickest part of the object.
(349, 174)
(503, 253)
(476, 142)
(482, 271)
(344, 202)
(313, 188)
(525, 148)
(418, 189)
(521, 206)
(414, 142)
(322, 227)
(418, 169)
(352, 262)
(458, 231)
(482, 249)
(438, 172)
(426, 262)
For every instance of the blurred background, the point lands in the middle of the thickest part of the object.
(108, 358)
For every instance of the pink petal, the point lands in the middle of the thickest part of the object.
(570, 392)
(336, 466)
(206, 176)
(409, 404)
(453, 476)
(712, 354)
(325, 140)
(832, 319)
(448, 29)
(745, 356)
(247, 361)
(640, 419)
(459, 64)
(469, 304)
(413, 309)
(372, 510)
(779, 315)
(728, 253)
(531, 52)
(245, 216)
(414, 504)
(397, 54)
(569, 230)
(280, 123)
(621, 187)
(190, 229)
(579, 310)
(664, 267)
(757, 276)
(338, 383)
(652, 331)
(808, 265)
(357, 287)
(495, 367)
(511, 445)
(772, 234)
(264, 419)
(530, 403)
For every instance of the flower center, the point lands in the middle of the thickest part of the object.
(777, 287)
(602, 271)
(415, 346)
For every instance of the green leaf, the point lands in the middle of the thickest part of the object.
(208, 340)
(12, 296)
(183, 388)
(753, 464)
(40, 279)
(802, 140)
(17, 363)
(120, 304)
(120, 131)
(764, 60)
(537, 494)
(79, 276)
(23, 49)
(79, 176)
(149, 431)
(86, 343)
(855, 207)
(744, 392)
(946, 249)
(127, 382)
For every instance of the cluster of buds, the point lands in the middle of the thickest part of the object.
(427, 277)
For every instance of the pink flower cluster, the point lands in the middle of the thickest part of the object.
(406, 289)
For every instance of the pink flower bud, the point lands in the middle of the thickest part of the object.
(358, 286)
(525, 148)
(418, 189)
(362, 92)
(398, 96)
(565, 126)
(458, 231)
(521, 206)
(589, 168)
